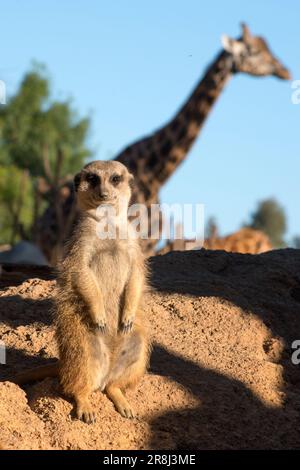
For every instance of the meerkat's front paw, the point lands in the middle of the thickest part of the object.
(126, 323)
(99, 321)
(126, 327)
(101, 326)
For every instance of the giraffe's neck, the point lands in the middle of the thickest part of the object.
(157, 156)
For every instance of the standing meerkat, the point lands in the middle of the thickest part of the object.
(101, 333)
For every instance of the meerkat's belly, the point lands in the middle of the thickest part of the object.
(112, 272)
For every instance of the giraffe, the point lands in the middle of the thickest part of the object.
(154, 159)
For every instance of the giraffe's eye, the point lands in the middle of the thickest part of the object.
(93, 179)
(116, 179)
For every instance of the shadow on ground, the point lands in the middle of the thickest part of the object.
(229, 416)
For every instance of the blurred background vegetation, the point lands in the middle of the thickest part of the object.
(42, 143)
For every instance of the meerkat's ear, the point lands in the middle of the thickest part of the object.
(77, 179)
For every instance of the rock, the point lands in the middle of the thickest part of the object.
(24, 253)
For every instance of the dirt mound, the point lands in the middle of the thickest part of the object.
(221, 374)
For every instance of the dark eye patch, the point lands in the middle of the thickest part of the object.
(93, 179)
(116, 179)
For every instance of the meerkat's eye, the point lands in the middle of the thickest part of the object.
(116, 179)
(93, 179)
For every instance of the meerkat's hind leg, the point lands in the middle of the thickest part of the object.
(116, 396)
(84, 410)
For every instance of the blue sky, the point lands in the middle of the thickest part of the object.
(131, 64)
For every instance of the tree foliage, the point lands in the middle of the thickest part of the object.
(270, 218)
(42, 141)
(16, 207)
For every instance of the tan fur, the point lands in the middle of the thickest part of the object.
(101, 333)
(245, 240)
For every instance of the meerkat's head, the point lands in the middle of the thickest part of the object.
(103, 182)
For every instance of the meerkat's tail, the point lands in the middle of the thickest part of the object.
(36, 374)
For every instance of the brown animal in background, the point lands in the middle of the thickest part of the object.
(245, 240)
(101, 333)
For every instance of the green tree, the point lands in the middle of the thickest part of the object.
(42, 141)
(270, 218)
(16, 207)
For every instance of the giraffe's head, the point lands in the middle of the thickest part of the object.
(251, 54)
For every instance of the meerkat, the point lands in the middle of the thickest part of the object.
(100, 330)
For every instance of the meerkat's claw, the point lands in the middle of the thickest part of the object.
(127, 412)
(89, 418)
(86, 415)
(126, 327)
(101, 327)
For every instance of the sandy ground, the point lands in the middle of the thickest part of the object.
(220, 377)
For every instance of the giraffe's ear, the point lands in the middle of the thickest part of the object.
(231, 45)
(77, 179)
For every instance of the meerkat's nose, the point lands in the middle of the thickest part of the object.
(103, 195)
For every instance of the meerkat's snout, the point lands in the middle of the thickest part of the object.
(104, 196)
